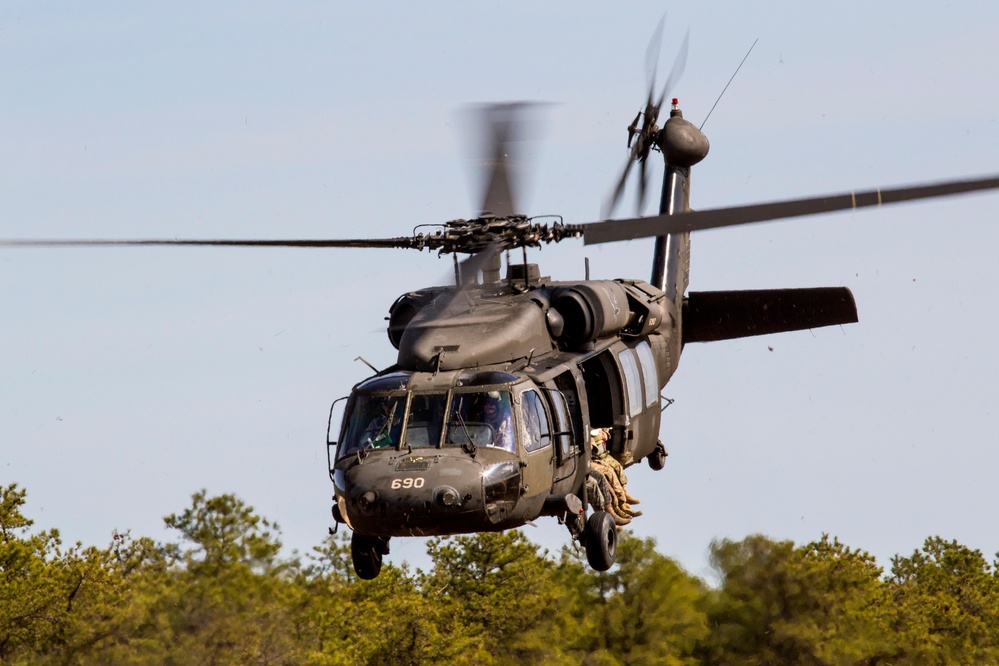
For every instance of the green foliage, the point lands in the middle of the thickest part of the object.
(497, 596)
(947, 602)
(821, 603)
(346, 620)
(60, 604)
(225, 594)
(646, 610)
(35, 587)
(223, 531)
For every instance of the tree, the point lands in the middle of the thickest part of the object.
(62, 605)
(35, 591)
(821, 603)
(346, 620)
(224, 596)
(645, 610)
(497, 596)
(947, 599)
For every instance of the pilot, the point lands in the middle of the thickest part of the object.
(382, 431)
(498, 418)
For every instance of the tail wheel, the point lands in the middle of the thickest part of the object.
(366, 554)
(601, 540)
(657, 459)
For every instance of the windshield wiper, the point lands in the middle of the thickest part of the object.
(386, 427)
(468, 446)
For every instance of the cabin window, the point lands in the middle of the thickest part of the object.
(649, 374)
(632, 381)
(375, 423)
(535, 422)
(481, 418)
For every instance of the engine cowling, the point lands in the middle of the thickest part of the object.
(591, 310)
(405, 308)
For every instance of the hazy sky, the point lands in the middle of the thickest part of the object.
(131, 378)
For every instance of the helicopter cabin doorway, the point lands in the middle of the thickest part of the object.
(622, 393)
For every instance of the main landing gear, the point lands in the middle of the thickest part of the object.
(600, 540)
(366, 553)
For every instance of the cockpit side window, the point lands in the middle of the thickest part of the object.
(536, 422)
(375, 423)
(481, 418)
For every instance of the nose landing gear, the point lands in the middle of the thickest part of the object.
(366, 554)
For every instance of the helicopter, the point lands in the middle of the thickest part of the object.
(558, 359)
(416, 453)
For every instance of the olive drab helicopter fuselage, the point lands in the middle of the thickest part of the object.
(557, 359)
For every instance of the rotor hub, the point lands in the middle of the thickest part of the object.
(506, 233)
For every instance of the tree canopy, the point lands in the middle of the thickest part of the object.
(223, 593)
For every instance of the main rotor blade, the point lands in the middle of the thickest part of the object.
(485, 261)
(610, 231)
(403, 242)
(502, 128)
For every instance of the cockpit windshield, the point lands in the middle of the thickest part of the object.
(482, 418)
(375, 423)
(426, 419)
(474, 418)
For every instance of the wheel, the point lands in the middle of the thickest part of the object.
(657, 459)
(366, 555)
(601, 540)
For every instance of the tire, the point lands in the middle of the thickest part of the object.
(366, 555)
(657, 459)
(601, 540)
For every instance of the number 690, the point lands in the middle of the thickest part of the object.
(408, 482)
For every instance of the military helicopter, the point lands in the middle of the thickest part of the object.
(484, 421)
(421, 452)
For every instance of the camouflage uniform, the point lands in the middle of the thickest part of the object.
(610, 480)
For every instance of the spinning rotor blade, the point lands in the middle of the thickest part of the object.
(486, 260)
(642, 139)
(403, 242)
(678, 66)
(502, 129)
(652, 54)
(615, 198)
(659, 225)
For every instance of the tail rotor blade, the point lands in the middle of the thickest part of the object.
(652, 52)
(642, 139)
(615, 197)
(677, 71)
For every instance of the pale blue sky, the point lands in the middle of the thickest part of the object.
(133, 377)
